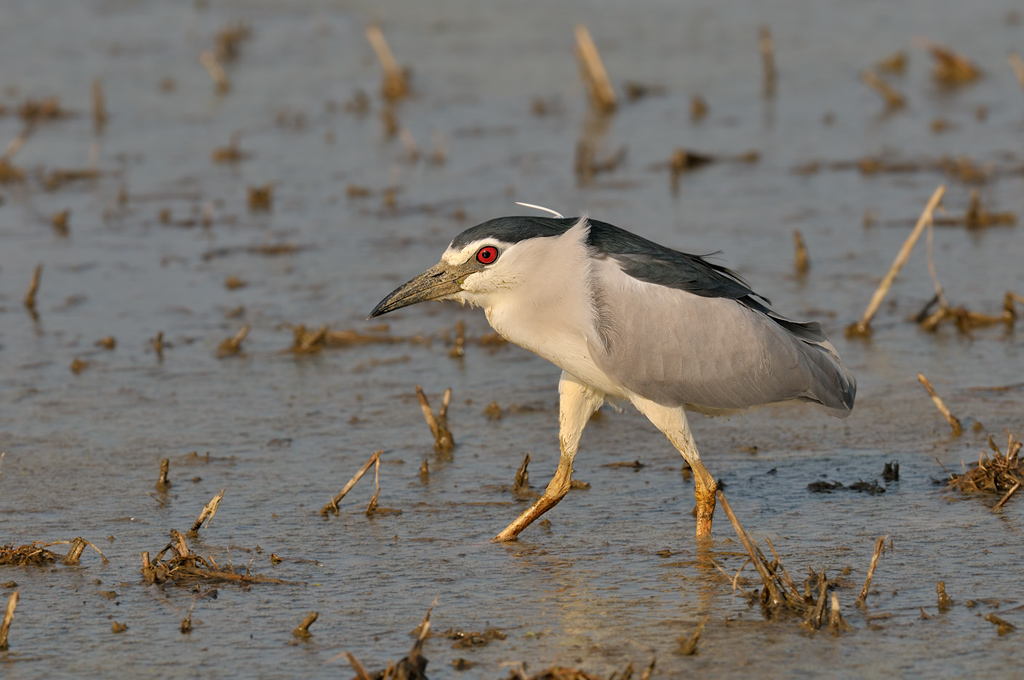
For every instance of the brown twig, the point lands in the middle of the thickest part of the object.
(836, 622)
(157, 343)
(372, 506)
(209, 510)
(771, 587)
(951, 69)
(186, 623)
(13, 148)
(75, 553)
(803, 262)
(879, 548)
(786, 579)
(813, 621)
(302, 630)
(410, 667)
(5, 627)
(862, 327)
(332, 507)
(698, 108)
(59, 220)
(99, 109)
(232, 346)
(216, 71)
(1017, 64)
(163, 483)
(33, 287)
(767, 48)
(1004, 626)
(602, 94)
(689, 644)
(894, 63)
(522, 479)
(395, 85)
(443, 440)
(944, 600)
(1005, 498)
(893, 99)
(360, 672)
(953, 421)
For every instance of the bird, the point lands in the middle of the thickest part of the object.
(631, 321)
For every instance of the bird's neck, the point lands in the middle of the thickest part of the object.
(552, 322)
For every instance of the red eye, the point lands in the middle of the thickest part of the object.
(487, 255)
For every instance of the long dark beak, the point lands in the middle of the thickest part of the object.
(438, 282)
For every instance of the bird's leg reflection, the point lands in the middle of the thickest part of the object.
(577, 402)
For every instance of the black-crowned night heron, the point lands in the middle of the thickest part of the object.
(629, 320)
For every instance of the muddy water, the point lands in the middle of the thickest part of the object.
(594, 588)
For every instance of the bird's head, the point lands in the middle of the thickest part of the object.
(481, 262)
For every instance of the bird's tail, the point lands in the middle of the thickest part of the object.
(832, 384)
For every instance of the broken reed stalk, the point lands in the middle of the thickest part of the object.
(862, 327)
(163, 483)
(688, 645)
(951, 69)
(14, 146)
(99, 108)
(599, 86)
(302, 630)
(893, 99)
(232, 346)
(767, 48)
(814, 620)
(75, 552)
(1013, 490)
(360, 671)
(836, 622)
(209, 510)
(186, 623)
(779, 567)
(522, 478)
(157, 343)
(394, 85)
(179, 545)
(803, 262)
(372, 506)
(953, 421)
(332, 507)
(879, 547)
(5, 627)
(216, 71)
(1017, 64)
(767, 579)
(410, 667)
(1003, 626)
(33, 287)
(443, 440)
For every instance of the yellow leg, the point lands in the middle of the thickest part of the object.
(576, 403)
(672, 422)
(704, 488)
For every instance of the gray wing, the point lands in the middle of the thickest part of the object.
(710, 353)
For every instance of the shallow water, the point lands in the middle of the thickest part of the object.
(284, 432)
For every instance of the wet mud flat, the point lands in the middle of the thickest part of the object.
(199, 205)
